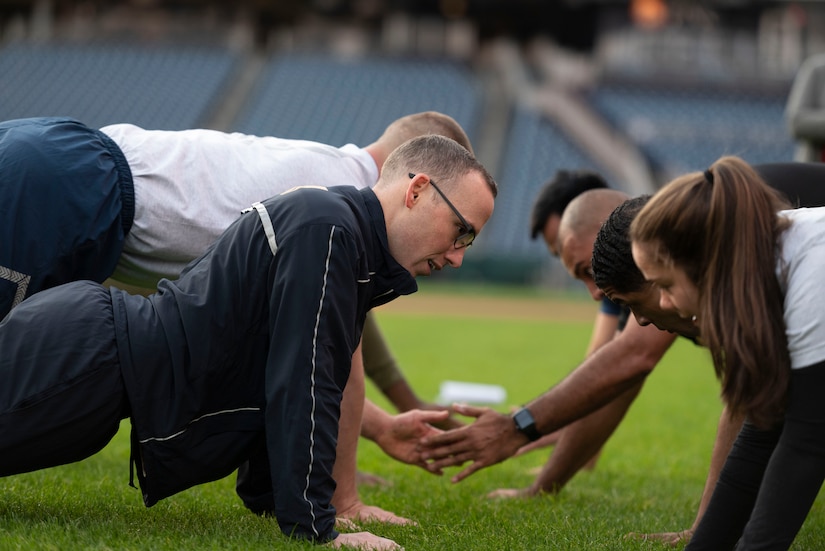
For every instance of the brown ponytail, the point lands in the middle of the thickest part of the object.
(721, 227)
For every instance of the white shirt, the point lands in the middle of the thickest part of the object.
(191, 185)
(801, 271)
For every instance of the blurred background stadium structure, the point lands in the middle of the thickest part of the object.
(639, 90)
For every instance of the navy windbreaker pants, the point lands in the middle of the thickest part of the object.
(62, 396)
(66, 204)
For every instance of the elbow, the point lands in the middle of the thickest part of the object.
(643, 363)
(646, 368)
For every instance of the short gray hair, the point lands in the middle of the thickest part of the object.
(444, 159)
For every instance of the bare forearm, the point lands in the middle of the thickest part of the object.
(609, 372)
(612, 370)
(580, 440)
(374, 421)
(402, 396)
(604, 331)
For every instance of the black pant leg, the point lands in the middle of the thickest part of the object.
(61, 390)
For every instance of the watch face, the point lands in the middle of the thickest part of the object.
(523, 419)
(526, 424)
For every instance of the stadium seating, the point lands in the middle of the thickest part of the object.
(347, 100)
(99, 84)
(682, 130)
(339, 101)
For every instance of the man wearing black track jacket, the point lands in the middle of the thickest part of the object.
(244, 359)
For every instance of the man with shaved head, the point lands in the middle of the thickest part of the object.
(550, 204)
(578, 228)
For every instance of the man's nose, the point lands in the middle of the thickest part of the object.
(455, 257)
(595, 292)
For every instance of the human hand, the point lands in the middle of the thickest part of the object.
(364, 541)
(669, 538)
(491, 439)
(449, 423)
(405, 430)
(359, 512)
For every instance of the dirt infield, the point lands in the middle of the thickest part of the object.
(533, 308)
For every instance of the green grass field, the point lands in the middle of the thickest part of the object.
(649, 477)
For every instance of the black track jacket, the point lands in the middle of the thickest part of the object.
(251, 349)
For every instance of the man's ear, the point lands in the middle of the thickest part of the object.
(414, 188)
(411, 197)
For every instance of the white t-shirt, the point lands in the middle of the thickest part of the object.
(801, 271)
(191, 185)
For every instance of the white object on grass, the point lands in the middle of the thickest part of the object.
(470, 393)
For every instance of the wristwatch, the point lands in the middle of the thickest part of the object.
(525, 424)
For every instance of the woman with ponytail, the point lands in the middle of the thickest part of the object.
(724, 252)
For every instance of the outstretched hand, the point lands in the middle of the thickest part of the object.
(491, 439)
(449, 423)
(405, 430)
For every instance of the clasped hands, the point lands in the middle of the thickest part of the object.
(491, 439)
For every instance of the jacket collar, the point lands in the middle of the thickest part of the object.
(390, 278)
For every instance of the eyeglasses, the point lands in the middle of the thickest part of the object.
(468, 234)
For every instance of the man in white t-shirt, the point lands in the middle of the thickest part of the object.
(190, 185)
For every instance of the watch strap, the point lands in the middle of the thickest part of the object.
(525, 424)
